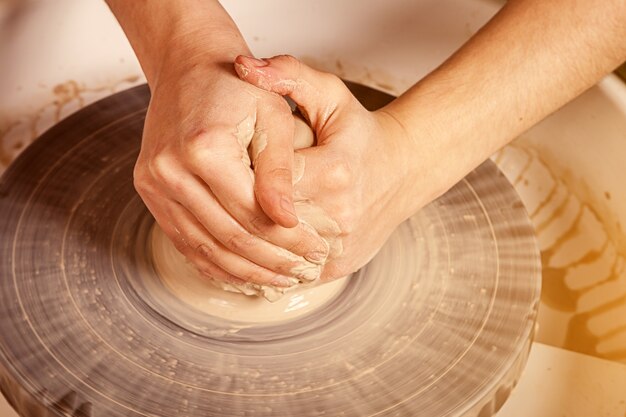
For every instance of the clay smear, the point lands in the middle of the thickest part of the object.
(229, 301)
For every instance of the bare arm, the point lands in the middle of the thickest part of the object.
(375, 169)
(165, 31)
(529, 60)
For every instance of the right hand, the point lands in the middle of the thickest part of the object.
(366, 174)
(234, 224)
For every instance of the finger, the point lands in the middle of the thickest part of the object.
(211, 271)
(164, 218)
(320, 173)
(303, 136)
(272, 158)
(317, 94)
(205, 252)
(199, 200)
(202, 264)
(233, 186)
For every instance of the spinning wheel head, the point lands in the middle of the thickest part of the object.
(437, 324)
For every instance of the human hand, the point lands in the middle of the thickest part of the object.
(359, 183)
(193, 173)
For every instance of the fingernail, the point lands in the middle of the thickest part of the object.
(316, 256)
(258, 62)
(308, 272)
(204, 251)
(287, 206)
(282, 281)
(242, 70)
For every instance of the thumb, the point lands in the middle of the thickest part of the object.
(272, 158)
(317, 94)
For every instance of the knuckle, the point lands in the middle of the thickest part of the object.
(142, 180)
(240, 242)
(279, 173)
(339, 175)
(203, 151)
(206, 250)
(159, 166)
(195, 148)
(198, 139)
(164, 170)
(259, 225)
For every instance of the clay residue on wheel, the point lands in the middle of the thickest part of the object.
(582, 251)
(18, 132)
(229, 301)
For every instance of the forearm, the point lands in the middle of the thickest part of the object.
(530, 59)
(178, 31)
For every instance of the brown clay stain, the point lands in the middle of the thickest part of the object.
(63, 93)
(555, 292)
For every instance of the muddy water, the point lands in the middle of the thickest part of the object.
(66, 98)
(584, 268)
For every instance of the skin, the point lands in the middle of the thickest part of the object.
(342, 174)
(190, 172)
(530, 59)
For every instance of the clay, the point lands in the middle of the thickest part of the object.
(252, 145)
(230, 301)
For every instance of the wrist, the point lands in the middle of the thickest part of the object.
(178, 33)
(446, 137)
(415, 162)
(194, 47)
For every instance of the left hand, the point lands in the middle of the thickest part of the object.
(359, 182)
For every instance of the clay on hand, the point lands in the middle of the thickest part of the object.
(254, 143)
(195, 178)
(361, 180)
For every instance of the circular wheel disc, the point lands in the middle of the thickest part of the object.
(439, 323)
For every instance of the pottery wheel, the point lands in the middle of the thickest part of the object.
(438, 324)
